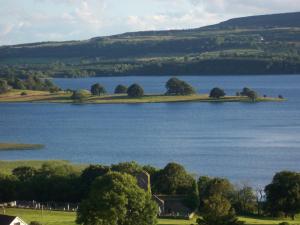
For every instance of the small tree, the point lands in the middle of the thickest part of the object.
(217, 93)
(98, 89)
(121, 89)
(218, 211)
(135, 91)
(252, 95)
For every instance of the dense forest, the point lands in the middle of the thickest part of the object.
(268, 44)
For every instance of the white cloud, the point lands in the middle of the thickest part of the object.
(42, 20)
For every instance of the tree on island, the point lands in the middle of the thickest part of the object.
(283, 194)
(121, 89)
(116, 198)
(253, 95)
(178, 87)
(217, 93)
(97, 89)
(218, 211)
(135, 91)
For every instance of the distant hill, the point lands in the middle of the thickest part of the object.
(267, 44)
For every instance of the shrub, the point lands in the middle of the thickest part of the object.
(35, 223)
(23, 93)
(79, 95)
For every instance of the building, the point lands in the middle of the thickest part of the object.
(11, 220)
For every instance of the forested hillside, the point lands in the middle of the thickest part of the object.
(268, 44)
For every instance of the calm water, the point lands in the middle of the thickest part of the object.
(242, 141)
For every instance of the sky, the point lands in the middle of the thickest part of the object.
(26, 21)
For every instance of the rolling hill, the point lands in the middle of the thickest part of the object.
(267, 44)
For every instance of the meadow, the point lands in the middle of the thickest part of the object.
(68, 218)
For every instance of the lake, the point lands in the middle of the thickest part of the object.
(245, 142)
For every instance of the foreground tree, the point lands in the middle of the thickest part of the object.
(283, 194)
(135, 91)
(121, 89)
(98, 89)
(218, 211)
(178, 87)
(217, 93)
(116, 199)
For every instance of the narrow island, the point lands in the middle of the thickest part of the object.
(177, 91)
(18, 146)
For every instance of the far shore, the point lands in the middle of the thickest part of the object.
(19, 146)
(15, 96)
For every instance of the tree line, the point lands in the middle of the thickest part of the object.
(111, 193)
(30, 83)
(174, 87)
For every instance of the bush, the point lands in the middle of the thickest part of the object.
(135, 91)
(217, 93)
(23, 93)
(121, 89)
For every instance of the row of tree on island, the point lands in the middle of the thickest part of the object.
(174, 86)
(111, 195)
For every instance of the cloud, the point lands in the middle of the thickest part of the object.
(55, 20)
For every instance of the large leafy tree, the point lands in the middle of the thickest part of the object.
(218, 211)
(283, 194)
(178, 87)
(116, 199)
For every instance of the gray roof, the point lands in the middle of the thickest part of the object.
(6, 220)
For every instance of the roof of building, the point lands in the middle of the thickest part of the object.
(6, 220)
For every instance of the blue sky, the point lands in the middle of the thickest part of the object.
(23, 21)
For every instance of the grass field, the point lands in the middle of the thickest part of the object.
(62, 97)
(68, 218)
(16, 146)
(7, 166)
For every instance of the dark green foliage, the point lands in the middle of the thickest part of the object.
(135, 91)
(115, 198)
(214, 186)
(217, 93)
(23, 93)
(217, 210)
(283, 194)
(175, 86)
(127, 167)
(244, 201)
(98, 89)
(89, 174)
(174, 179)
(284, 223)
(3, 86)
(121, 89)
(24, 173)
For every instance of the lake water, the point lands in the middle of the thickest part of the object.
(245, 142)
